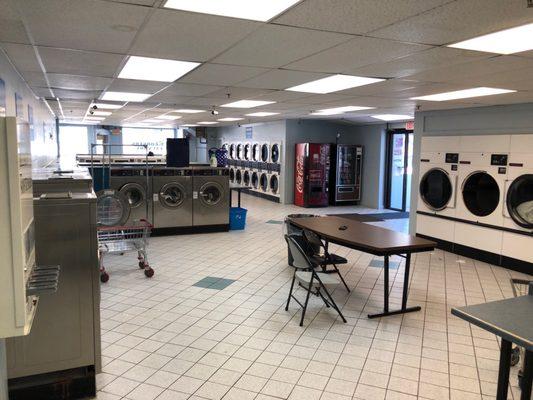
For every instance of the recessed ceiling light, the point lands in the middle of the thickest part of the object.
(340, 110)
(207, 123)
(125, 96)
(245, 9)
(108, 106)
(152, 121)
(334, 83)
(392, 117)
(155, 69)
(247, 103)
(190, 125)
(169, 117)
(189, 111)
(229, 119)
(508, 41)
(102, 113)
(463, 94)
(94, 118)
(262, 114)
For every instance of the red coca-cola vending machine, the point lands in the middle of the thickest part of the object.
(311, 175)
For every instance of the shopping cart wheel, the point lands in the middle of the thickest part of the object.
(515, 356)
(104, 277)
(142, 264)
(149, 272)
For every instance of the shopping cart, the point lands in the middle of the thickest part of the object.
(123, 239)
(521, 287)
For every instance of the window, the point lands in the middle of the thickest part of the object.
(156, 139)
(72, 140)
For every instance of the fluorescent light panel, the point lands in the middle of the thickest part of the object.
(334, 83)
(508, 41)
(262, 114)
(229, 119)
(247, 104)
(463, 94)
(155, 69)
(190, 125)
(169, 117)
(263, 10)
(189, 111)
(108, 106)
(340, 110)
(94, 118)
(125, 96)
(101, 113)
(207, 123)
(392, 117)
(152, 121)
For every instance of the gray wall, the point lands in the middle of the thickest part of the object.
(493, 120)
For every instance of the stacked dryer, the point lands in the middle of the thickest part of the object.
(518, 207)
(274, 169)
(437, 195)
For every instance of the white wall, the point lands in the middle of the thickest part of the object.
(493, 120)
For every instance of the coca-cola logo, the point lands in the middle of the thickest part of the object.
(300, 174)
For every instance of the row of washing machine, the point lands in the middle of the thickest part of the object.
(477, 192)
(267, 152)
(172, 197)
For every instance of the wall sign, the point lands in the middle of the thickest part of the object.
(410, 125)
(19, 110)
(249, 132)
(2, 98)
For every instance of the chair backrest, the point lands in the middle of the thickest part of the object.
(313, 241)
(300, 260)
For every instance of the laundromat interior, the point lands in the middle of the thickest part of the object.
(266, 199)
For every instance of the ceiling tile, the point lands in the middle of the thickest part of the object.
(189, 36)
(11, 27)
(75, 82)
(282, 95)
(458, 20)
(148, 3)
(354, 16)
(22, 56)
(80, 24)
(223, 75)
(275, 46)
(238, 93)
(189, 89)
(77, 94)
(84, 63)
(357, 52)
(135, 86)
(41, 91)
(35, 79)
(281, 79)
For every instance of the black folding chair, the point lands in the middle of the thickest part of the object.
(322, 257)
(308, 278)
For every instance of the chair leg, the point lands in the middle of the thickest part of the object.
(342, 279)
(307, 299)
(290, 292)
(331, 300)
(319, 293)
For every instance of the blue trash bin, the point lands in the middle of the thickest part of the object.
(237, 218)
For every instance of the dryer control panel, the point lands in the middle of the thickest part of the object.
(499, 160)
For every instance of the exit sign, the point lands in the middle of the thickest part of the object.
(410, 125)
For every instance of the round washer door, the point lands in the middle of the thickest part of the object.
(239, 151)
(264, 153)
(255, 180)
(274, 184)
(520, 201)
(263, 182)
(232, 151)
(238, 176)
(247, 151)
(211, 193)
(232, 175)
(481, 193)
(112, 208)
(274, 153)
(436, 189)
(256, 149)
(246, 178)
(134, 194)
(172, 195)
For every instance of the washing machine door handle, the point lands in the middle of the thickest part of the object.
(505, 210)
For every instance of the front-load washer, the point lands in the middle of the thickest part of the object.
(132, 183)
(256, 152)
(482, 174)
(264, 184)
(437, 188)
(518, 208)
(273, 184)
(210, 196)
(172, 195)
(275, 152)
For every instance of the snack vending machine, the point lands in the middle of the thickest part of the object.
(346, 174)
(312, 174)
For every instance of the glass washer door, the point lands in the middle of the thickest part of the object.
(481, 193)
(134, 194)
(275, 153)
(436, 189)
(274, 184)
(520, 201)
(172, 195)
(264, 153)
(211, 194)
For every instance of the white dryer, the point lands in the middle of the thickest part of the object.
(518, 208)
(437, 188)
(273, 184)
(275, 152)
(238, 175)
(247, 151)
(232, 174)
(246, 177)
(232, 152)
(264, 154)
(256, 151)
(264, 182)
(254, 181)
(239, 151)
(482, 175)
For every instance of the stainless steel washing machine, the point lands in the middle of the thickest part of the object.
(172, 197)
(210, 196)
(133, 184)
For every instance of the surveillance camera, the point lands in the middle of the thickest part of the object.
(91, 112)
(94, 107)
(214, 112)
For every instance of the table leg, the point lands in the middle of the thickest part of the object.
(503, 373)
(230, 198)
(239, 198)
(527, 377)
(404, 308)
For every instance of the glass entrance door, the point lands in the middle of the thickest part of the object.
(400, 170)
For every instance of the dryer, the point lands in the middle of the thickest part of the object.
(232, 152)
(210, 196)
(132, 183)
(264, 154)
(246, 177)
(256, 152)
(275, 152)
(264, 182)
(437, 188)
(254, 181)
(482, 174)
(518, 208)
(239, 151)
(238, 175)
(273, 184)
(232, 174)
(172, 188)
(247, 151)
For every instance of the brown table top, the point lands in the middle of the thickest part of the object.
(360, 236)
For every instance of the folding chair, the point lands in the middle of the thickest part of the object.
(309, 279)
(322, 257)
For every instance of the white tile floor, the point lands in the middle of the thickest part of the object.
(165, 339)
